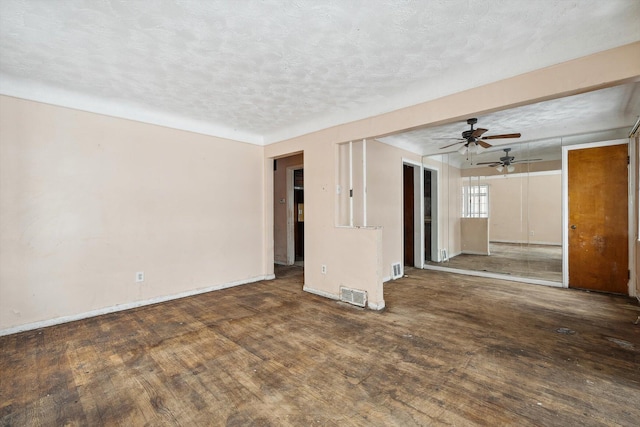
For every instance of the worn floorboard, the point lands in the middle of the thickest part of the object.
(448, 350)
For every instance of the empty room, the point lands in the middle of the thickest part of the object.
(294, 213)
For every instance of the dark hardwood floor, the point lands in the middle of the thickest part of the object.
(448, 350)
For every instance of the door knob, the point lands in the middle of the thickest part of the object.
(573, 227)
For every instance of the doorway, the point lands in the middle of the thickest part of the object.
(413, 234)
(298, 217)
(598, 215)
(430, 187)
(288, 210)
(408, 214)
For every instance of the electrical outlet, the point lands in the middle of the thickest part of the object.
(323, 269)
(140, 276)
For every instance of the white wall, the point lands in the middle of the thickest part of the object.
(87, 200)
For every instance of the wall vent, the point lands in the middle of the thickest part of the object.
(396, 270)
(353, 296)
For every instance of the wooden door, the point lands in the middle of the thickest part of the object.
(408, 215)
(598, 219)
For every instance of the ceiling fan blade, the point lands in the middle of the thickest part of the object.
(489, 163)
(459, 139)
(484, 144)
(451, 145)
(506, 135)
(478, 132)
(526, 160)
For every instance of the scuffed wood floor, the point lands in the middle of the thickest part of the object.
(448, 350)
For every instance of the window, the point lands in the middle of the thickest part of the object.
(475, 201)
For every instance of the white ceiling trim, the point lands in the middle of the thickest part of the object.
(48, 94)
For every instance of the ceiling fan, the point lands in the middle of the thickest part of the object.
(473, 139)
(507, 162)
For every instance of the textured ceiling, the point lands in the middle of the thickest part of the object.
(262, 71)
(575, 119)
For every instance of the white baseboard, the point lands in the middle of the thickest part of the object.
(452, 255)
(496, 276)
(130, 305)
(329, 295)
(378, 306)
(320, 293)
(475, 253)
(527, 242)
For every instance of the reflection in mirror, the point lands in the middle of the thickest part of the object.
(498, 211)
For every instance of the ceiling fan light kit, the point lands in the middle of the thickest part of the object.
(506, 162)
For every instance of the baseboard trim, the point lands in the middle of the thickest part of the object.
(378, 307)
(320, 293)
(527, 242)
(130, 305)
(496, 276)
(475, 253)
(329, 295)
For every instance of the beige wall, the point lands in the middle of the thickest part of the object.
(449, 226)
(357, 265)
(525, 208)
(87, 200)
(635, 143)
(475, 235)
(330, 245)
(280, 209)
(321, 152)
(384, 197)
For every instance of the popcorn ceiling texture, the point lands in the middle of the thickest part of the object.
(605, 109)
(275, 68)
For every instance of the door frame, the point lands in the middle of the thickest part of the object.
(435, 210)
(418, 213)
(565, 208)
(291, 244)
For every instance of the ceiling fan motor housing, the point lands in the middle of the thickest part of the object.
(476, 137)
(467, 134)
